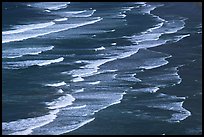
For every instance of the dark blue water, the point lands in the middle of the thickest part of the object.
(86, 68)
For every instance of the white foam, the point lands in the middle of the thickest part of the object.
(78, 79)
(61, 19)
(94, 83)
(148, 8)
(51, 61)
(75, 12)
(156, 27)
(61, 102)
(159, 18)
(172, 26)
(81, 14)
(76, 107)
(28, 63)
(56, 84)
(90, 69)
(154, 63)
(145, 37)
(79, 90)
(37, 33)
(149, 44)
(78, 61)
(127, 54)
(127, 8)
(93, 66)
(183, 113)
(122, 15)
(153, 34)
(50, 5)
(108, 71)
(47, 10)
(113, 30)
(19, 52)
(180, 37)
(119, 100)
(154, 89)
(114, 76)
(101, 48)
(73, 117)
(199, 26)
(172, 104)
(60, 91)
(128, 77)
(114, 44)
(24, 28)
(147, 90)
(26, 126)
(140, 3)
(78, 126)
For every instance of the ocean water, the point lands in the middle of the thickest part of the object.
(101, 68)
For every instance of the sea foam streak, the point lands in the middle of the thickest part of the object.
(58, 130)
(75, 107)
(23, 28)
(82, 14)
(61, 102)
(146, 90)
(50, 5)
(180, 37)
(75, 12)
(56, 84)
(94, 83)
(113, 44)
(14, 53)
(179, 114)
(61, 19)
(33, 33)
(155, 63)
(28, 63)
(79, 90)
(50, 61)
(78, 79)
(60, 91)
(101, 48)
(26, 126)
